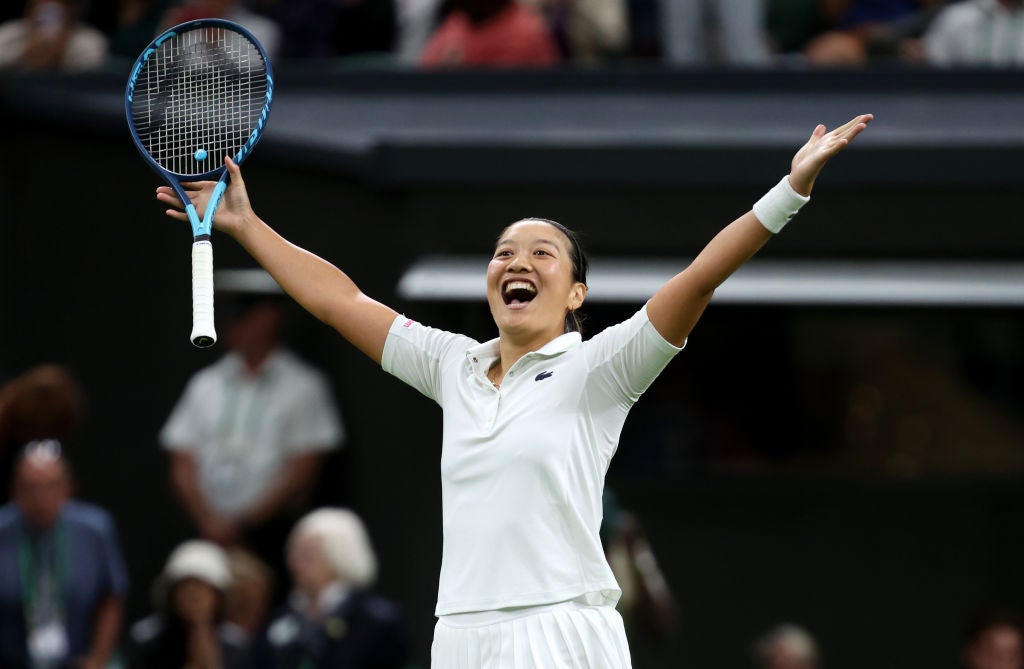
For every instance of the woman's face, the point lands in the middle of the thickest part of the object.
(311, 572)
(530, 281)
(195, 601)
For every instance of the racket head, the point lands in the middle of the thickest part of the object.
(198, 92)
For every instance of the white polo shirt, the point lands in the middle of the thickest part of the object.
(523, 466)
(241, 428)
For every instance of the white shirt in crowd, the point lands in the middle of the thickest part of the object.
(241, 428)
(523, 465)
(976, 32)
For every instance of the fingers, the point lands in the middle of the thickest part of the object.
(856, 129)
(233, 169)
(168, 196)
(844, 127)
(852, 127)
(234, 172)
(176, 214)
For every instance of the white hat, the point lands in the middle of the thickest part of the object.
(346, 544)
(193, 559)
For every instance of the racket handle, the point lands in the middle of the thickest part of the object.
(203, 333)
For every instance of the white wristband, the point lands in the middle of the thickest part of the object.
(779, 205)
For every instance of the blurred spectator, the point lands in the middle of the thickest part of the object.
(42, 403)
(188, 629)
(738, 36)
(332, 619)
(647, 605)
(586, 31)
(249, 435)
(786, 647)
(866, 30)
(62, 577)
(495, 33)
(416, 22)
(51, 36)
(977, 32)
(793, 23)
(994, 641)
(263, 29)
(137, 24)
(252, 584)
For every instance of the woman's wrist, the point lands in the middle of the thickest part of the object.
(802, 188)
(247, 223)
(775, 209)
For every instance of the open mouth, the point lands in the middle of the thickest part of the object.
(518, 293)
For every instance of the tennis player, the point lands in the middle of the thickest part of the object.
(531, 419)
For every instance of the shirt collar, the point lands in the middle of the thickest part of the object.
(235, 365)
(329, 599)
(332, 597)
(35, 532)
(489, 351)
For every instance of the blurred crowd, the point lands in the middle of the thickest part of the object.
(86, 34)
(265, 577)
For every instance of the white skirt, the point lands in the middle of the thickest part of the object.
(562, 636)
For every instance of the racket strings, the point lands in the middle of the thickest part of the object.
(199, 96)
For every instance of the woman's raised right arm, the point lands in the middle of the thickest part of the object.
(320, 287)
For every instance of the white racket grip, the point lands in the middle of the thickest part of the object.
(203, 333)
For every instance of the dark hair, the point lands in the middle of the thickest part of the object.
(573, 318)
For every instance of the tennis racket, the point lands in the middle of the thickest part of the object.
(199, 92)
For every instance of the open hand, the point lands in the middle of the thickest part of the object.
(809, 160)
(234, 210)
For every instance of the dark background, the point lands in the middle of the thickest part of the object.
(746, 464)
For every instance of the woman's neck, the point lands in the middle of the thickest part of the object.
(511, 349)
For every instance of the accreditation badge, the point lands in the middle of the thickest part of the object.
(48, 644)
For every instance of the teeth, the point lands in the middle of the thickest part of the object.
(519, 285)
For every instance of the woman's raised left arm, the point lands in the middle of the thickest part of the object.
(678, 305)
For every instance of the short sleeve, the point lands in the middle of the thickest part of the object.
(416, 354)
(180, 431)
(624, 359)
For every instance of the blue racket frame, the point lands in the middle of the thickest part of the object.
(201, 228)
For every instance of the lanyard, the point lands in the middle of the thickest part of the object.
(228, 425)
(27, 571)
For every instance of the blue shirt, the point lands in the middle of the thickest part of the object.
(94, 570)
